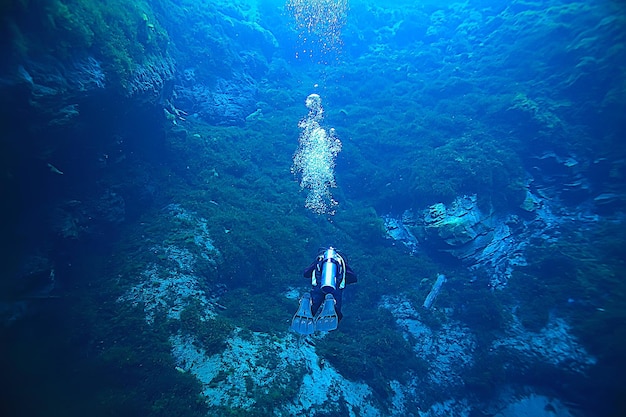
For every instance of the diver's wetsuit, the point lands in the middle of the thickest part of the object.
(317, 295)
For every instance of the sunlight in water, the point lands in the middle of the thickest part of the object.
(315, 158)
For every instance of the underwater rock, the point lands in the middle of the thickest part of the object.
(480, 240)
(69, 219)
(488, 243)
(74, 219)
(448, 350)
(54, 87)
(110, 208)
(610, 202)
(511, 402)
(460, 224)
(149, 80)
(451, 350)
(173, 282)
(553, 344)
(531, 202)
(573, 184)
(34, 282)
(223, 66)
(560, 177)
(536, 406)
(226, 103)
(261, 370)
(484, 242)
(398, 230)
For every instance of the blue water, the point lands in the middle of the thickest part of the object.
(165, 183)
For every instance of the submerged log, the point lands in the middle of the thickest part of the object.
(434, 291)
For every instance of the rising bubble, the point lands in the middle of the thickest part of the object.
(314, 160)
(319, 23)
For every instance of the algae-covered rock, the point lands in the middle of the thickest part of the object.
(530, 203)
(459, 224)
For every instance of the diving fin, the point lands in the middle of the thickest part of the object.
(327, 320)
(303, 322)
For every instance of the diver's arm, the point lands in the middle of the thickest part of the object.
(351, 277)
(308, 271)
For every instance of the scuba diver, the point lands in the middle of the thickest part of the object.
(329, 274)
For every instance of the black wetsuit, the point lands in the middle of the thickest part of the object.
(317, 295)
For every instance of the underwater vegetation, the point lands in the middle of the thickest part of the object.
(574, 276)
(123, 35)
(371, 349)
(150, 148)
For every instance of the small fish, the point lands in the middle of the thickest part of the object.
(54, 169)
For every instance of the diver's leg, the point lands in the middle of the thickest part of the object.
(317, 296)
(338, 294)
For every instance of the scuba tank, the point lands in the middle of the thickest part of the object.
(329, 270)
